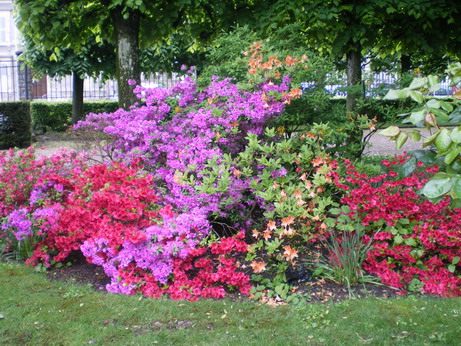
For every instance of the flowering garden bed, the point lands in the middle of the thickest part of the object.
(200, 197)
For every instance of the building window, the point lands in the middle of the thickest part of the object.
(5, 28)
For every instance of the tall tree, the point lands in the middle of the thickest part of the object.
(351, 28)
(92, 60)
(421, 32)
(128, 24)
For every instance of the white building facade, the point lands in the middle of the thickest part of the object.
(8, 47)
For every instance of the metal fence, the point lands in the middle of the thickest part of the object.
(16, 83)
(9, 81)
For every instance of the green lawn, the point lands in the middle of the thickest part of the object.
(35, 311)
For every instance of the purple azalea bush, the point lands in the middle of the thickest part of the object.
(182, 131)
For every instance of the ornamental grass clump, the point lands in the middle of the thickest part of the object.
(346, 252)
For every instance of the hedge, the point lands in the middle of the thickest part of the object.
(15, 125)
(56, 116)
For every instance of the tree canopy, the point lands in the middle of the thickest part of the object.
(127, 24)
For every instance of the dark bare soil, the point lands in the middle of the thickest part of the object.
(317, 290)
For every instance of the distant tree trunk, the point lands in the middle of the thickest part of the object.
(354, 143)
(77, 98)
(354, 75)
(127, 55)
(405, 63)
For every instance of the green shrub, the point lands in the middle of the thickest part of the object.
(56, 116)
(15, 125)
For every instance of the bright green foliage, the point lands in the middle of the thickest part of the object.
(290, 180)
(55, 25)
(438, 114)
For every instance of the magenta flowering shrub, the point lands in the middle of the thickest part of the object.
(20, 175)
(183, 129)
(20, 171)
(175, 237)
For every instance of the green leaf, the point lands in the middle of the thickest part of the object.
(407, 168)
(456, 187)
(435, 87)
(398, 239)
(443, 140)
(279, 289)
(435, 188)
(335, 211)
(447, 106)
(455, 260)
(391, 131)
(451, 268)
(53, 57)
(433, 81)
(396, 94)
(418, 83)
(425, 156)
(410, 242)
(455, 135)
(415, 135)
(416, 96)
(452, 155)
(401, 139)
(429, 140)
(433, 103)
(417, 117)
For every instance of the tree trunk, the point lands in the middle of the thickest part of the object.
(405, 63)
(354, 143)
(127, 55)
(354, 75)
(77, 98)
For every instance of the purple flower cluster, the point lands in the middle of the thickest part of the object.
(181, 129)
(19, 224)
(175, 238)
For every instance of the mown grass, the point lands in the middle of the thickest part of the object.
(36, 311)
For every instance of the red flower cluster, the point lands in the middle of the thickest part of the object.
(419, 243)
(205, 273)
(111, 202)
(20, 171)
(117, 203)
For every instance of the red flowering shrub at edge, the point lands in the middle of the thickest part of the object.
(419, 243)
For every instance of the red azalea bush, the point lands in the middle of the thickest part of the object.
(112, 214)
(418, 246)
(110, 201)
(207, 272)
(20, 171)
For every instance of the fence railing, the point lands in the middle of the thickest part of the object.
(16, 83)
(9, 81)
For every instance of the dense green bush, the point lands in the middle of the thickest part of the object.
(15, 125)
(56, 116)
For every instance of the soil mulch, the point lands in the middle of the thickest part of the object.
(317, 290)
